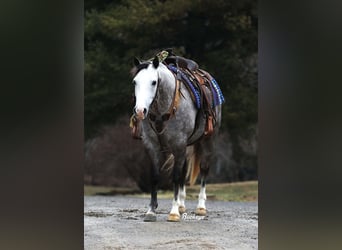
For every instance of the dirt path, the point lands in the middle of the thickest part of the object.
(116, 222)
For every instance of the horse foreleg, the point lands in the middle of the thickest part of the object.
(181, 199)
(151, 213)
(174, 214)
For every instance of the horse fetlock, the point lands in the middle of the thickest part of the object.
(181, 206)
(202, 197)
(181, 203)
(175, 208)
(181, 209)
(153, 206)
(201, 203)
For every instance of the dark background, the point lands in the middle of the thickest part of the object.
(42, 144)
(221, 36)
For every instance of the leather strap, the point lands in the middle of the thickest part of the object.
(159, 125)
(135, 126)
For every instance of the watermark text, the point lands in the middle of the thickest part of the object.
(186, 216)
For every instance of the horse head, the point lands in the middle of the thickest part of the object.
(145, 84)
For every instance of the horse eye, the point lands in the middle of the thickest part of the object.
(154, 83)
(134, 83)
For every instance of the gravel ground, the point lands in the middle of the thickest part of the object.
(116, 222)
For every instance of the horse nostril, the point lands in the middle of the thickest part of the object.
(145, 110)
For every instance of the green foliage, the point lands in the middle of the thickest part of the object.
(220, 35)
(240, 191)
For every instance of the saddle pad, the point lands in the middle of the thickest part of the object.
(217, 93)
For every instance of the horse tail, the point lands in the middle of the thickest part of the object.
(193, 164)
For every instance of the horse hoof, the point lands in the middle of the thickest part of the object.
(181, 209)
(201, 211)
(150, 217)
(173, 218)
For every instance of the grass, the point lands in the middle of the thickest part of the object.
(237, 191)
(101, 190)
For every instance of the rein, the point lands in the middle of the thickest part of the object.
(159, 126)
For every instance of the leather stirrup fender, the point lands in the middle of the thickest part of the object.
(135, 126)
(209, 128)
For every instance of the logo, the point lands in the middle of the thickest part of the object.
(185, 216)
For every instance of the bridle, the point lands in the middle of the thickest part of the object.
(158, 122)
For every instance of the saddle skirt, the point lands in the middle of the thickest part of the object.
(194, 80)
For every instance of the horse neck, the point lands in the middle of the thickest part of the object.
(166, 89)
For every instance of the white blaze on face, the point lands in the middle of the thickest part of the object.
(145, 90)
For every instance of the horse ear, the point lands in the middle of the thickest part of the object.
(136, 61)
(155, 62)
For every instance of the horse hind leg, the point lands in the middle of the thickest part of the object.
(181, 189)
(204, 169)
(202, 197)
(197, 165)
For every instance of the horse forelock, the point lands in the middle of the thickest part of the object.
(135, 70)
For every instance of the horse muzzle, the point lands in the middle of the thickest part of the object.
(140, 113)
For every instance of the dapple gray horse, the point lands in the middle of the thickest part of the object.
(173, 133)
